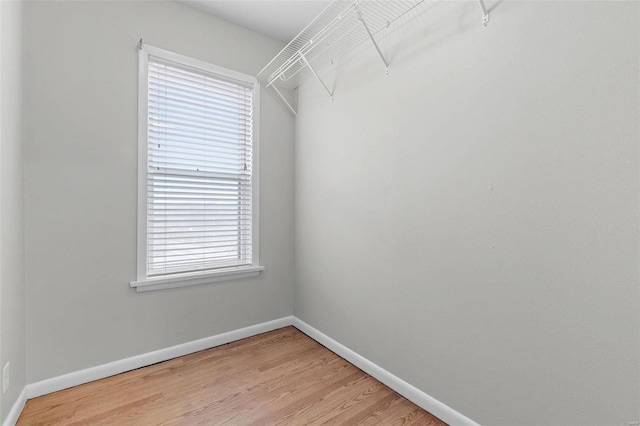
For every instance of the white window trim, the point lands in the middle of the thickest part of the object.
(143, 283)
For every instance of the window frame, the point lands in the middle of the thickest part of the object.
(143, 282)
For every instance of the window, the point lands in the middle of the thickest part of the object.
(197, 185)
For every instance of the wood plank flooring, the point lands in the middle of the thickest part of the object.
(278, 378)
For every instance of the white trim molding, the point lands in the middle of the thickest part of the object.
(116, 367)
(183, 280)
(413, 394)
(16, 409)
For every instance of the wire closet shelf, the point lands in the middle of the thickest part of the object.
(340, 28)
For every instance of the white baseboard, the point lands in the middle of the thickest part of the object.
(16, 409)
(87, 375)
(413, 394)
(116, 367)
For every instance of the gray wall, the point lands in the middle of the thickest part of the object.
(12, 288)
(470, 222)
(80, 158)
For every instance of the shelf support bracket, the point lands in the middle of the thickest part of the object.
(366, 27)
(304, 59)
(286, 102)
(485, 13)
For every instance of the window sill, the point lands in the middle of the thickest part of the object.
(184, 280)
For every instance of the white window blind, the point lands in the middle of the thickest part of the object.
(199, 170)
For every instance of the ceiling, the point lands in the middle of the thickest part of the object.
(280, 19)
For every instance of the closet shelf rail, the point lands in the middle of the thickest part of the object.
(336, 31)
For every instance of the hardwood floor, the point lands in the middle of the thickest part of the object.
(278, 378)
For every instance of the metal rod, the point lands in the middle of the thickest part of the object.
(317, 76)
(485, 13)
(386, 64)
(293, 111)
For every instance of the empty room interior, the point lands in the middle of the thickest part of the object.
(306, 212)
